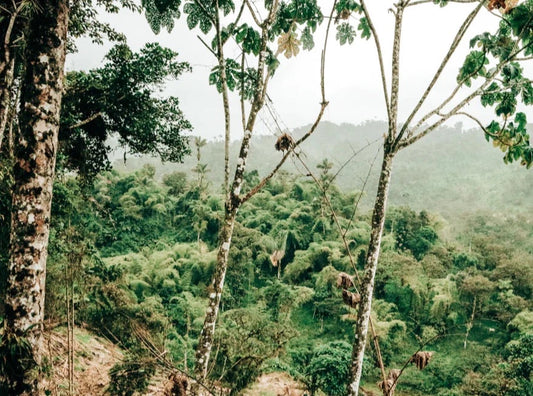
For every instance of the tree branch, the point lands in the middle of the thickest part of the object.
(380, 58)
(395, 83)
(323, 106)
(254, 17)
(86, 121)
(455, 43)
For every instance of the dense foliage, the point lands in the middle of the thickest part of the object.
(145, 251)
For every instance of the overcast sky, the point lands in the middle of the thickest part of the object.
(353, 85)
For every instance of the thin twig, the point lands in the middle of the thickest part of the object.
(380, 57)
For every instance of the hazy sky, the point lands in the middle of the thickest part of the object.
(353, 85)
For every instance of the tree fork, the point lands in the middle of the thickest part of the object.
(35, 157)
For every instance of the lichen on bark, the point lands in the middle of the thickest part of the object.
(35, 156)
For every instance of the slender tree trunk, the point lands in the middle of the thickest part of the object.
(367, 287)
(470, 324)
(203, 350)
(5, 95)
(35, 156)
(233, 202)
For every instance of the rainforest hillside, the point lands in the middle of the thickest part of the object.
(451, 171)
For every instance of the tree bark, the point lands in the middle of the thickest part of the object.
(35, 157)
(233, 202)
(207, 336)
(367, 287)
(5, 95)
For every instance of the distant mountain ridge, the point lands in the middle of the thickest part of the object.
(449, 171)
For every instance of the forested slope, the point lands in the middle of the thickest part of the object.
(143, 252)
(451, 171)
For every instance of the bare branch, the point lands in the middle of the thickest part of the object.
(207, 46)
(453, 47)
(256, 20)
(264, 181)
(243, 114)
(323, 56)
(380, 57)
(86, 121)
(395, 83)
(225, 96)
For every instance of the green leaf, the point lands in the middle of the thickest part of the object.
(491, 95)
(441, 3)
(521, 119)
(507, 105)
(198, 16)
(365, 28)
(232, 75)
(473, 66)
(307, 39)
(250, 39)
(345, 33)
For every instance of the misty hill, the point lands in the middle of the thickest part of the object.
(452, 170)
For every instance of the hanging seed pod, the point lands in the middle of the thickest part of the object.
(176, 385)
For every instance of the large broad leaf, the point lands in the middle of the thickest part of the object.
(288, 44)
(345, 33)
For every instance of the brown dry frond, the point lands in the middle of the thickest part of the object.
(344, 281)
(284, 142)
(350, 299)
(421, 359)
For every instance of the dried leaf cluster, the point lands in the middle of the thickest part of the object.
(284, 142)
(344, 281)
(176, 385)
(504, 6)
(421, 359)
(350, 299)
(288, 44)
(276, 257)
(392, 380)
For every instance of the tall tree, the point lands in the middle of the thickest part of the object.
(11, 30)
(35, 156)
(282, 21)
(144, 123)
(500, 86)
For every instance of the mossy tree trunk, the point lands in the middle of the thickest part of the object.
(35, 157)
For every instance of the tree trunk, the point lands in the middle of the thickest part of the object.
(5, 95)
(205, 344)
(367, 287)
(35, 156)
